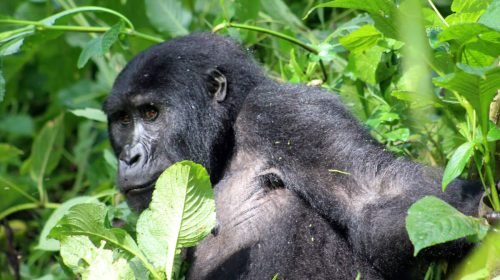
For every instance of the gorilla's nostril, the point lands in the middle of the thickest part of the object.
(132, 155)
(134, 160)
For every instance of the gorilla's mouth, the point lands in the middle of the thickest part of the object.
(140, 189)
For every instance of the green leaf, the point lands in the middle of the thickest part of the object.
(490, 17)
(110, 159)
(457, 163)
(181, 213)
(383, 12)
(100, 45)
(94, 263)
(168, 16)
(478, 88)
(89, 219)
(47, 149)
(364, 38)
(9, 153)
(466, 32)
(469, 6)
(493, 134)
(18, 125)
(16, 33)
(2, 85)
(11, 47)
(466, 11)
(431, 221)
(364, 65)
(49, 244)
(91, 114)
(400, 134)
(246, 9)
(278, 10)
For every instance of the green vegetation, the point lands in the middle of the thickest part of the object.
(424, 79)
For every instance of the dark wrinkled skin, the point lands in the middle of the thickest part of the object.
(268, 148)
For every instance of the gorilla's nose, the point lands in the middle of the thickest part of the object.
(132, 154)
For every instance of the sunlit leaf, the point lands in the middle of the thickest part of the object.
(431, 221)
(94, 263)
(181, 213)
(466, 11)
(89, 219)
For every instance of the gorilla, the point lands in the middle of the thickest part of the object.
(270, 149)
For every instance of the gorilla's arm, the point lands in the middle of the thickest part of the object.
(327, 158)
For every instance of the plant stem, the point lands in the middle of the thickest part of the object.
(145, 36)
(285, 37)
(27, 206)
(267, 31)
(495, 201)
(72, 28)
(438, 13)
(52, 18)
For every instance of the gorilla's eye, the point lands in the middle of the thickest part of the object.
(124, 118)
(149, 112)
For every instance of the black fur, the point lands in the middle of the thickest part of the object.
(271, 150)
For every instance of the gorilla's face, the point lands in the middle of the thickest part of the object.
(139, 131)
(156, 118)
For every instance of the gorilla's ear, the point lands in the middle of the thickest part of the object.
(217, 85)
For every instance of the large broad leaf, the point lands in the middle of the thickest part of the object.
(168, 16)
(383, 12)
(94, 263)
(88, 219)
(181, 213)
(478, 86)
(431, 221)
(457, 163)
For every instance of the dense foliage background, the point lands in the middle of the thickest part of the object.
(422, 85)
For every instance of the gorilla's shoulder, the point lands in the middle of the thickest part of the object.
(278, 102)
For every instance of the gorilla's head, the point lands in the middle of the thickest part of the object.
(177, 101)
